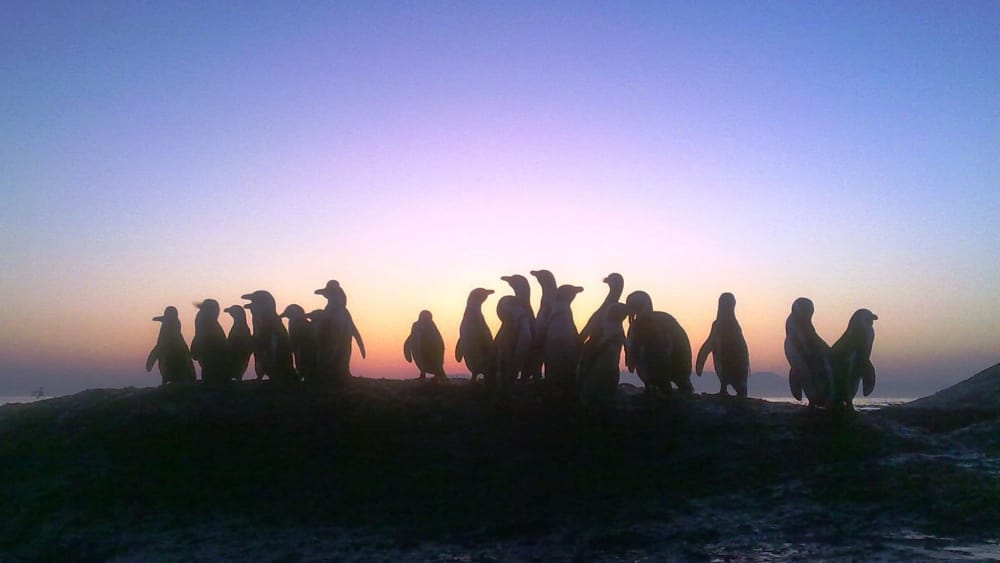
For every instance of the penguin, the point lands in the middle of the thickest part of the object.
(657, 347)
(513, 341)
(851, 359)
(302, 339)
(425, 347)
(598, 374)
(272, 352)
(562, 341)
(335, 332)
(475, 340)
(171, 350)
(522, 293)
(615, 286)
(808, 356)
(209, 346)
(240, 342)
(548, 284)
(728, 347)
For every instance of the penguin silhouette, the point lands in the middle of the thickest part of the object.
(598, 375)
(272, 351)
(171, 350)
(209, 346)
(522, 293)
(850, 358)
(728, 348)
(656, 346)
(808, 356)
(425, 347)
(302, 338)
(615, 286)
(240, 342)
(548, 284)
(335, 332)
(513, 341)
(562, 341)
(475, 340)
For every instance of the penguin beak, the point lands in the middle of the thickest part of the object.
(505, 278)
(874, 317)
(605, 280)
(247, 296)
(320, 291)
(490, 292)
(247, 306)
(158, 319)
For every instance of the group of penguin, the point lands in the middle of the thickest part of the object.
(316, 346)
(583, 364)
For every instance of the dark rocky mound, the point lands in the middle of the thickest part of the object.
(972, 401)
(408, 470)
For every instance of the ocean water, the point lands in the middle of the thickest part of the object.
(860, 403)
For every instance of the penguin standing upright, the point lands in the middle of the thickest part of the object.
(522, 293)
(209, 346)
(302, 338)
(657, 347)
(851, 359)
(548, 283)
(562, 341)
(808, 356)
(171, 350)
(475, 340)
(425, 347)
(598, 375)
(513, 341)
(335, 332)
(240, 342)
(615, 286)
(728, 348)
(272, 352)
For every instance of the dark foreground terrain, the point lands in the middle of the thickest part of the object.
(408, 470)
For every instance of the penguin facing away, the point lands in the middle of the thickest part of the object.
(850, 358)
(547, 281)
(562, 341)
(171, 350)
(475, 340)
(209, 346)
(522, 294)
(808, 356)
(425, 347)
(728, 348)
(598, 375)
(272, 350)
(657, 346)
(240, 342)
(302, 338)
(513, 341)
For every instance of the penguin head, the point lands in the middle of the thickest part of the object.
(508, 308)
(169, 315)
(208, 309)
(616, 283)
(236, 312)
(545, 278)
(478, 296)
(566, 293)
(519, 284)
(727, 305)
(293, 312)
(425, 317)
(862, 318)
(260, 302)
(617, 312)
(638, 302)
(803, 309)
(334, 293)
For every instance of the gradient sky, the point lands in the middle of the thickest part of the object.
(160, 153)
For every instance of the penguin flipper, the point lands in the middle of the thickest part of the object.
(795, 383)
(458, 350)
(703, 352)
(154, 355)
(407, 347)
(357, 335)
(868, 378)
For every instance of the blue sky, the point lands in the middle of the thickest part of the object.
(157, 154)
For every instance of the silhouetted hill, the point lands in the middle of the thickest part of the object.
(409, 470)
(974, 400)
